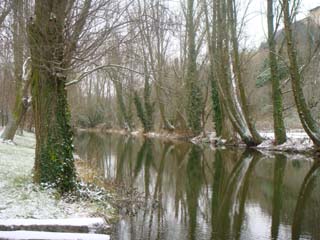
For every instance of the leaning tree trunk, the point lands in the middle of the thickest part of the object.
(309, 124)
(20, 73)
(227, 92)
(20, 109)
(238, 71)
(54, 164)
(278, 123)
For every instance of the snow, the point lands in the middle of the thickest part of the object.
(77, 222)
(19, 197)
(26, 235)
(81, 225)
(135, 133)
(292, 133)
(297, 141)
(153, 134)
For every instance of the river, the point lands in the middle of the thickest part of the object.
(192, 192)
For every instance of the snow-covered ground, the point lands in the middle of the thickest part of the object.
(297, 141)
(19, 197)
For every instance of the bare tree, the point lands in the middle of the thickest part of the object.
(308, 122)
(154, 25)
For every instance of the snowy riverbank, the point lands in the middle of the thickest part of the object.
(19, 197)
(297, 140)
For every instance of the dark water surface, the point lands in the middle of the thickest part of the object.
(202, 193)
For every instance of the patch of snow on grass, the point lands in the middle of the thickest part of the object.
(19, 197)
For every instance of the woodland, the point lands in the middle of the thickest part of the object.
(183, 68)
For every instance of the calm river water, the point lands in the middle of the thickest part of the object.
(202, 193)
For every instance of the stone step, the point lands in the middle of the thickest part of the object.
(34, 235)
(77, 225)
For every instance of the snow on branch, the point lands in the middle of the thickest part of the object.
(25, 70)
(86, 73)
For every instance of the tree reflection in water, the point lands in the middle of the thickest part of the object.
(306, 190)
(193, 187)
(278, 174)
(199, 193)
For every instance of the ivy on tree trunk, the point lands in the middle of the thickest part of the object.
(309, 124)
(54, 163)
(278, 123)
(194, 94)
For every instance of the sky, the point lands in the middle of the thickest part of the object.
(255, 30)
(256, 27)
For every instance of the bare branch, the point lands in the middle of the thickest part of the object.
(86, 73)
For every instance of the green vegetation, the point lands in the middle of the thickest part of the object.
(265, 74)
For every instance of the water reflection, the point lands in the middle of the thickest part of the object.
(195, 193)
(301, 213)
(193, 187)
(279, 169)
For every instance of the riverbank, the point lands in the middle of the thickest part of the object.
(297, 140)
(20, 198)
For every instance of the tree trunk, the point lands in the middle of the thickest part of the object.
(120, 99)
(145, 111)
(19, 112)
(211, 39)
(148, 105)
(238, 71)
(226, 81)
(54, 164)
(308, 122)
(216, 105)
(22, 82)
(278, 124)
(30, 124)
(166, 124)
(227, 129)
(123, 109)
(194, 94)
